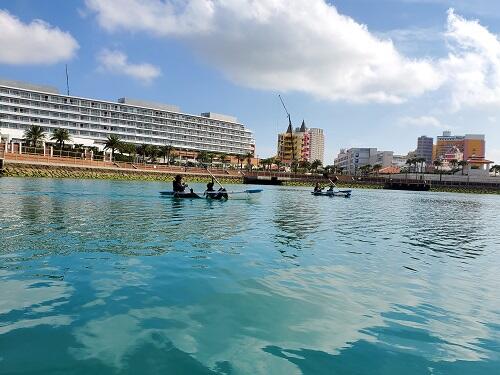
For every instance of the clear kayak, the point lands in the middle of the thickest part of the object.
(328, 193)
(218, 195)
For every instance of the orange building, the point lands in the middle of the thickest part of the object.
(471, 146)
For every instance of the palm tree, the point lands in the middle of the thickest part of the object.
(223, 158)
(305, 165)
(165, 151)
(173, 156)
(202, 157)
(463, 164)
(249, 157)
(438, 164)
(330, 168)
(127, 148)
(495, 169)
(377, 168)
(365, 169)
(316, 164)
(113, 143)
(265, 163)
(278, 163)
(34, 135)
(272, 161)
(144, 150)
(154, 151)
(420, 161)
(60, 136)
(211, 156)
(410, 162)
(240, 159)
(454, 163)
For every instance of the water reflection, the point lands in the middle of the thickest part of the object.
(130, 282)
(297, 223)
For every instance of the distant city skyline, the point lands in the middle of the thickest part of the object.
(407, 67)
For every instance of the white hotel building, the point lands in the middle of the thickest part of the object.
(90, 121)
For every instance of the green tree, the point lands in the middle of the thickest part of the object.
(316, 164)
(305, 165)
(34, 135)
(240, 159)
(165, 152)
(223, 159)
(143, 151)
(365, 169)
(264, 163)
(211, 156)
(249, 157)
(420, 161)
(154, 152)
(454, 163)
(127, 148)
(61, 136)
(495, 169)
(377, 168)
(463, 164)
(202, 157)
(278, 163)
(113, 143)
(410, 162)
(438, 164)
(330, 168)
(173, 156)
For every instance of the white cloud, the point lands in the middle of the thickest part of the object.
(472, 68)
(116, 62)
(293, 45)
(493, 155)
(280, 45)
(34, 43)
(422, 122)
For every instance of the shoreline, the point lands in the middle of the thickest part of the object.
(74, 172)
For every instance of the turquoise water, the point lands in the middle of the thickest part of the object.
(105, 277)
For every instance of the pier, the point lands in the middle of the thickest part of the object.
(411, 185)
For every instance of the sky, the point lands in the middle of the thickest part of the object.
(370, 73)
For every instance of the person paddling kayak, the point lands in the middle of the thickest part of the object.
(178, 185)
(318, 188)
(179, 188)
(210, 192)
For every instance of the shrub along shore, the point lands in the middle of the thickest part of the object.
(55, 171)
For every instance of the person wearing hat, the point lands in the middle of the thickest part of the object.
(178, 185)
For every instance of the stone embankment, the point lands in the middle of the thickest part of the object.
(56, 171)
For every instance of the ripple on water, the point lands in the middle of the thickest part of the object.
(106, 276)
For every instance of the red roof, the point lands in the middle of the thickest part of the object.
(390, 170)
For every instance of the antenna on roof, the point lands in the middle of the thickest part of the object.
(67, 80)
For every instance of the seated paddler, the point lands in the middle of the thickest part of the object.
(318, 188)
(178, 185)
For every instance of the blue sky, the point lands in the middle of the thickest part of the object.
(371, 73)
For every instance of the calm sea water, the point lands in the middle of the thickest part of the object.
(105, 277)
